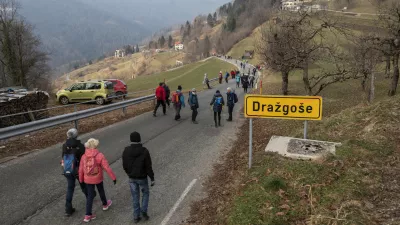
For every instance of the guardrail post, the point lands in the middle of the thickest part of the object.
(124, 109)
(75, 121)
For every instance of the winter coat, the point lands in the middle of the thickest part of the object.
(160, 93)
(101, 162)
(237, 79)
(217, 108)
(230, 99)
(193, 100)
(73, 146)
(136, 162)
(227, 75)
(181, 100)
(167, 91)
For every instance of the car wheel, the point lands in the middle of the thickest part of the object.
(100, 101)
(120, 95)
(64, 100)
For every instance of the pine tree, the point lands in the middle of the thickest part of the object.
(162, 41)
(188, 28)
(210, 20)
(231, 23)
(206, 46)
(170, 42)
(137, 48)
(215, 18)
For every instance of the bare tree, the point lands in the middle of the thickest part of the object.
(389, 16)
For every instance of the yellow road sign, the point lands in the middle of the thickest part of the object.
(283, 107)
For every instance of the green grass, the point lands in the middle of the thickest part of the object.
(188, 76)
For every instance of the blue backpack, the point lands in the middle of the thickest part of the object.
(70, 164)
(218, 101)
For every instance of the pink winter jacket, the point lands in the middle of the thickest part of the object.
(101, 161)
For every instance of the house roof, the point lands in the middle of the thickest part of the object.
(177, 43)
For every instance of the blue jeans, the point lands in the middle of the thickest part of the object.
(91, 194)
(136, 185)
(71, 180)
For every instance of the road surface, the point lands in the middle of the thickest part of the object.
(32, 189)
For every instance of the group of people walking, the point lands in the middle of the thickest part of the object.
(85, 164)
(178, 101)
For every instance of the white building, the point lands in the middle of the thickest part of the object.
(178, 46)
(292, 5)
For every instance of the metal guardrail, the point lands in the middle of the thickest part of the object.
(66, 118)
(73, 105)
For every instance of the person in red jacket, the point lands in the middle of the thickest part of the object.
(91, 169)
(161, 97)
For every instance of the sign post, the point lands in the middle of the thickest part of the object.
(281, 107)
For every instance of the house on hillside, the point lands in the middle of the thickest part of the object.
(119, 53)
(292, 5)
(178, 46)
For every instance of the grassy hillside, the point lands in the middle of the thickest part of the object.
(188, 76)
(348, 188)
(125, 68)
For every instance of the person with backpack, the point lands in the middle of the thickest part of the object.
(237, 80)
(226, 76)
(251, 82)
(161, 97)
(217, 102)
(178, 100)
(194, 104)
(233, 73)
(136, 162)
(167, 94)
(220, 77)
(231, 100)
(91, 169)
(72, 151)
(245, 83)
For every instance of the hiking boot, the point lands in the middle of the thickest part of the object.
(70, 212)
(105, 207)
(195, 122)
(154, 115)
(89, 218)
(137, 220)
(219, 123)
(229, 120)
(145, 216)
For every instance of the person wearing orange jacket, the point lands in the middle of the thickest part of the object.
(161, 97)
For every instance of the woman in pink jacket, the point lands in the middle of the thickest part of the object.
(91, 172)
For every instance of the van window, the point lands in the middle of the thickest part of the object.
(93, 86)
(108, 85)
(80, 86)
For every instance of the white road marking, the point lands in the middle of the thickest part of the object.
(177, 203)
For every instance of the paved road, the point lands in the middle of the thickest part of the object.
(32, 190)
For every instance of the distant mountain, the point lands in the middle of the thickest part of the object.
(85, 29)
(156, 14)
(71, 30)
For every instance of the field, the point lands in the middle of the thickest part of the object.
(123, 68)
(189, 76)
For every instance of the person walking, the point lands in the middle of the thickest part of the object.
(161, 96)
(136, 162)
(217, 102)
(237, 80)
(194, 104)
(226, 76)
(251, 81)
(178, 100)
(233, 73)
(206, 81)
(167, 94)
(245, 83)
(220, 77)
(91, 169)
(231, 100)
(72, 151)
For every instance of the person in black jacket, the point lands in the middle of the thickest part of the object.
(167, 94)
(136, 162)
(72, 146)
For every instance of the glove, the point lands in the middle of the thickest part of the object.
(152, 183)
(115, 181)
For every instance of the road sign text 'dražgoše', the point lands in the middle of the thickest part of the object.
(283, 107)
